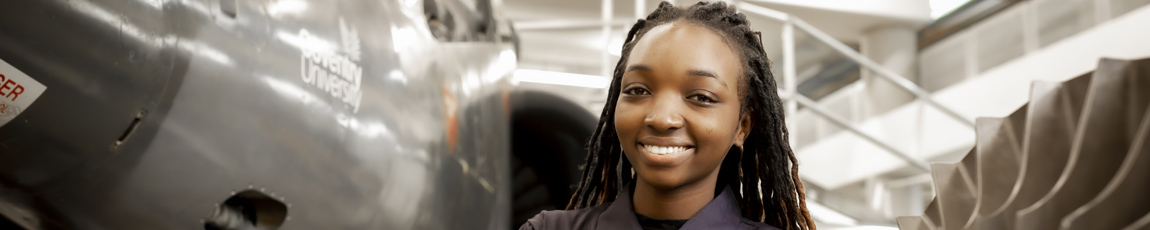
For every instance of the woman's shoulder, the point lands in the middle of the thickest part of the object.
(585, 218)
(750, 224)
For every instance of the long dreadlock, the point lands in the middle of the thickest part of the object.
(765, 167)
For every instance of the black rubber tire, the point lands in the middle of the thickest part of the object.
(548, 138)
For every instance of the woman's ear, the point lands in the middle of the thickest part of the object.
(744, 129)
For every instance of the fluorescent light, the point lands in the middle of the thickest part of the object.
(560, 78)
(305, 41)
(615, 47)
(837, 220)
(286, 7)
(939, 8)
(827, 215)
(861, 227)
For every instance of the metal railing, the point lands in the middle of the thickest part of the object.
(793, 98)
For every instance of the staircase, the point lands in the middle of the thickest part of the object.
(1073, 157)
(872, 167)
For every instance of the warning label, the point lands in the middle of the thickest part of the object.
(17, 92)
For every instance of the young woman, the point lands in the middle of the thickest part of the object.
(692, 136)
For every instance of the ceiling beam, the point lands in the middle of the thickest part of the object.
(569, 24)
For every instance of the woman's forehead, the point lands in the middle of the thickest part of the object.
(679, 48)
(680, 33)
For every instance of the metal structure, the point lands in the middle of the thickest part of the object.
(792, 98)
(952, 51)
(1075, 157)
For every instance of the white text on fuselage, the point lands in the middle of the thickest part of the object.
(334, 73)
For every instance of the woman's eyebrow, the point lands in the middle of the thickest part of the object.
(638, 67)
(693, 72)
(704, 73)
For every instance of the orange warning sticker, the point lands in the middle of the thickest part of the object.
(17, 92)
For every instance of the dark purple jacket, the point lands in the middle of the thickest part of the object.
(722, 213)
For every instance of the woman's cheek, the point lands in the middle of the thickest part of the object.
(714, 132)
(627, 120)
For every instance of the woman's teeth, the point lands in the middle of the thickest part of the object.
(661, 150)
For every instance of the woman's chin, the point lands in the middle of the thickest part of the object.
(663, 180)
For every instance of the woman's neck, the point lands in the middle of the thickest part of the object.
(673, 204)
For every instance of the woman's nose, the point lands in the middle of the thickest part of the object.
(664, 116)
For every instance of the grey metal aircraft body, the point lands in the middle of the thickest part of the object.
(271, 114)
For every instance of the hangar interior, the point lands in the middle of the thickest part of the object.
(474, 114)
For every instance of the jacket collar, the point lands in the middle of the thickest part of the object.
(721, 213)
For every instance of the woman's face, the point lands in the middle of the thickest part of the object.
(678, 111)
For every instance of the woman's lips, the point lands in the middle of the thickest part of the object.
(664, 150)
(665, 155)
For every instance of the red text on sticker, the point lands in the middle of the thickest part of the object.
(9, 88)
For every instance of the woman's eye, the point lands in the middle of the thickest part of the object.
(702, 98)
(636, 91)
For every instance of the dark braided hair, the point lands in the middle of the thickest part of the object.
(765, 168)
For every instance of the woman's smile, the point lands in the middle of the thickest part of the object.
(663, 153)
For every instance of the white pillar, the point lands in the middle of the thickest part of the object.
(607, 14)
(790, 82)
(908, 201)
(640, 10)
(895, 48)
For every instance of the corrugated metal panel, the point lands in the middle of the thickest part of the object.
(1060, 19)
(1120, 7)
(999, 40)
(943, 64)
